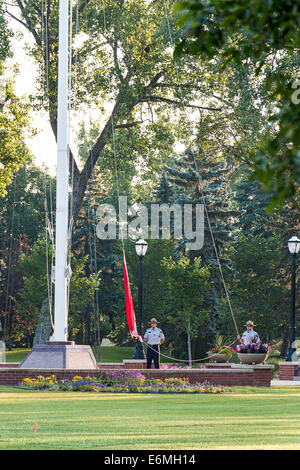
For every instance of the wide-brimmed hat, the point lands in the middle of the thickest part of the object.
(153, 320)
(249, 323)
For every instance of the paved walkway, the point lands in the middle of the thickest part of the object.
(285, 382)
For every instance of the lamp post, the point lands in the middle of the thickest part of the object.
(141, 247)
(294, 247)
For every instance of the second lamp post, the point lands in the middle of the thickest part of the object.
(141, 247)
(294, 247)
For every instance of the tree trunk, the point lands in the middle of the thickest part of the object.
(189, 343)
(44, 328)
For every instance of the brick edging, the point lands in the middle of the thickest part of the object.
(248, 376)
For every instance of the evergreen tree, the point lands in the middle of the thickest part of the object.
(22, 220)
(274, 229)
(204, 180)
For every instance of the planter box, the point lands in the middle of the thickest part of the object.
(253, 358)
(218, 357)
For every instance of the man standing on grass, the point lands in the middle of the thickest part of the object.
(154, 337)
(249, 336)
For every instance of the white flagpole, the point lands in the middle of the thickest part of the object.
(61, 242)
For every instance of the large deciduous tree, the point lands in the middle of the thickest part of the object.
(123, 67)
(14, 115)
(266, 34)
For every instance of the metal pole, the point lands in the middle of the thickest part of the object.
(61, 241)
(292, 355)
(139, 353)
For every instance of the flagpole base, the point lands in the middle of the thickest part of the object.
(60, 355)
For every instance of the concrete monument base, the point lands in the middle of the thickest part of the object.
(60, 355)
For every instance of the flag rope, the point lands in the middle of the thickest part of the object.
(185, 360)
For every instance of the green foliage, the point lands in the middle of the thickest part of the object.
(14, 122)
(121, 335)
(124, 48)
(155, 288)
(123, 60)
(258, 283)
(5, 37)
(188, 283)
(22, 220)
(259, 32)
(35, 290)
(259, 27)
(14, 114)
(81, 314)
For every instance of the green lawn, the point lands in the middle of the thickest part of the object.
(107, 354)
(247, 418)
(117, 354)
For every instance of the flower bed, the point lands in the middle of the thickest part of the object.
(120, 382)
(253, 353)
(253, 348)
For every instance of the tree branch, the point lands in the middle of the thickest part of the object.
(17, 19)
(116, 62)
(28, 21)
(83, 5)
(159, 99)
(153, 83)
(86, 172)
(126, 125)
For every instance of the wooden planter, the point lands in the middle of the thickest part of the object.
(253, 358)
(218, 357)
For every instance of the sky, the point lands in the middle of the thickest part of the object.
(43, 146)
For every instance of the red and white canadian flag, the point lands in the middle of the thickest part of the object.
(131, 320)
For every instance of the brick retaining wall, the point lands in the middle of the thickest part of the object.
(289, 370)
(256, 375)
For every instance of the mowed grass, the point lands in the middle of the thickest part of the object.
(246, 418)
(118, 354)
(107, 354)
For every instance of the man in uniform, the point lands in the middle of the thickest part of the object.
(249, 336)
(154, 337)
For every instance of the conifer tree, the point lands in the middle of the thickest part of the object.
(203, 180)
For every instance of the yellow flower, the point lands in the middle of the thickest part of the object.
(27, 380)
(77, 377)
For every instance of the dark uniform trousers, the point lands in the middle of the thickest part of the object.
(153, 355)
